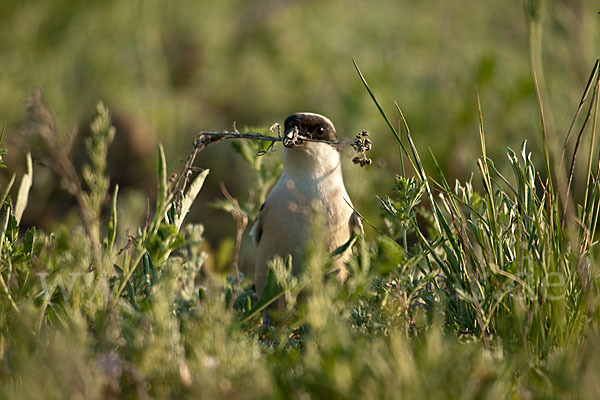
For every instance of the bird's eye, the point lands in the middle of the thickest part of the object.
(320, 131)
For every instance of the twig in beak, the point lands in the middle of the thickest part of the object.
(361, 143)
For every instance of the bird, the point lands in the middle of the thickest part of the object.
(311, 179)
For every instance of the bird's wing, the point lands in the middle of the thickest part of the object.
(356, 226)
(257, 230)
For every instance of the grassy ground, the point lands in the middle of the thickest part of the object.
(460, 294)
(484, 286)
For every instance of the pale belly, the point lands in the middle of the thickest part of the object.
(299, 215)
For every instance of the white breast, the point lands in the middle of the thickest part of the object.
(311, 180)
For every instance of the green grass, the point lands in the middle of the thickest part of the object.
(461, 293)
(485, 286)
(168, 72)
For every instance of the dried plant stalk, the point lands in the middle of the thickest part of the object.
(361, 144)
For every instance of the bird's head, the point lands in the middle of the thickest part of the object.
(314, 158)
(308, 125)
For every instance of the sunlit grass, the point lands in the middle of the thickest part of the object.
(481, 287)
(460, 293)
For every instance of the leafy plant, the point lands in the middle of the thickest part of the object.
(483, 288)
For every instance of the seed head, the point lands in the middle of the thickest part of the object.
(361, 144)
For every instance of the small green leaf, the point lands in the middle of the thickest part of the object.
(12, 229)
(228, 296)
(248, 304)
(28, 240)
(147, 263)
(131, 293)
(4, 226)
(118, 269)
(112, 223)
(162, 189)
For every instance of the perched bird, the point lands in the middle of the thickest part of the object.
(311, 179)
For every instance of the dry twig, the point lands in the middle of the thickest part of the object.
(361, 143)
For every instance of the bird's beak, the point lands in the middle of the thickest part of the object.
(290, 137)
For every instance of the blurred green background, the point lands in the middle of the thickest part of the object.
(169, 69)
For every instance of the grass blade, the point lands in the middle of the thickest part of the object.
(23, 193)
(7, 189)
(112, 224)
(190, 196)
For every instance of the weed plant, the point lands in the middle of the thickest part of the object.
(462, 293)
